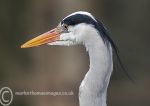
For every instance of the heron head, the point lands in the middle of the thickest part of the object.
(72, 30)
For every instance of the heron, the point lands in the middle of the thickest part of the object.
(82, 28)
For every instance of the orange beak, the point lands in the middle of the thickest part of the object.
(48, 37)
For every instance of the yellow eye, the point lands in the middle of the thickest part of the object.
(65, 26)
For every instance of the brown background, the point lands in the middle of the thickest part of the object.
(54, 68)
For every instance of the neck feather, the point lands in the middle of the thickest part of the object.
(93, 89)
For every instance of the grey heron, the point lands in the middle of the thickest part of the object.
(83, 28)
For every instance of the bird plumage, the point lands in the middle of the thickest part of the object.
(93, 88)
(94, 36)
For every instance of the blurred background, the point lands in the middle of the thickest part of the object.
(54, 68)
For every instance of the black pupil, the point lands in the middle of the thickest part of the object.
(65, 26)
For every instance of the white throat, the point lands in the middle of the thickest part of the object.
(93, 89)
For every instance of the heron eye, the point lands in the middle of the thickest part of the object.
(65, 26)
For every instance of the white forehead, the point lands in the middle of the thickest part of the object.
(81, 12)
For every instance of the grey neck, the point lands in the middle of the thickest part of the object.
(93, 89)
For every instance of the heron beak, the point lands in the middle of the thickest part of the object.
(48, 37)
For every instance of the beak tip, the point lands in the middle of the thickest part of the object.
(23, 46)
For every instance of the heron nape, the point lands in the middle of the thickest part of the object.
(83, 28)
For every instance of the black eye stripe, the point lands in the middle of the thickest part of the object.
(82, 18)
(77, 19)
